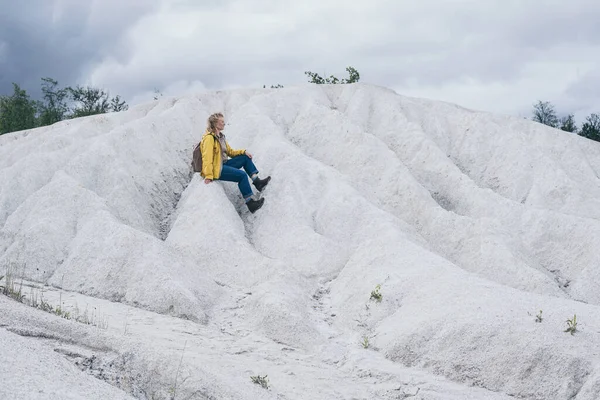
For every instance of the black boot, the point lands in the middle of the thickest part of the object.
(254, 205)
(260, 184)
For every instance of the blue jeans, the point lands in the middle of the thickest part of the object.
(231, 173)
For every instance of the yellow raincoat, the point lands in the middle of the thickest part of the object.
(211, 155)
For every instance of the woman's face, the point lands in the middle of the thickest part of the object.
(220, 124)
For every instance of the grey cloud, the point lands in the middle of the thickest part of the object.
(432, 43)
(588, 86)
(478, 40)
(59, 39)
(581, 97)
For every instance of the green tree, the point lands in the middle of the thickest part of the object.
(543, 112)
(54, 108)
(17, 112)
(568, 123)
(88, 101)
(591, 128)
(315, 78)
(116, 104)
(91, 101)
(353, 77)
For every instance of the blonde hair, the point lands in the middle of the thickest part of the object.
(212, 121)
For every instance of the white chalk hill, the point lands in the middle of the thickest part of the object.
(470, 222)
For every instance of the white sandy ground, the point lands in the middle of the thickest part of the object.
(470, 222)
(145, 353)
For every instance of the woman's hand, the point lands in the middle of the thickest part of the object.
(248, 154)
(207, 181)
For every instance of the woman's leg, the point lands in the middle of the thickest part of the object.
(246, 162)
(231, 174)
(243, 161)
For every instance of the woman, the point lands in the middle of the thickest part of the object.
(221, 162)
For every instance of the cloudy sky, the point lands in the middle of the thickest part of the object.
(494, 55)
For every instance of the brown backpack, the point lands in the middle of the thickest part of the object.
(197, 159)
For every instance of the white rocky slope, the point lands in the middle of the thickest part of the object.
(470, 222)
